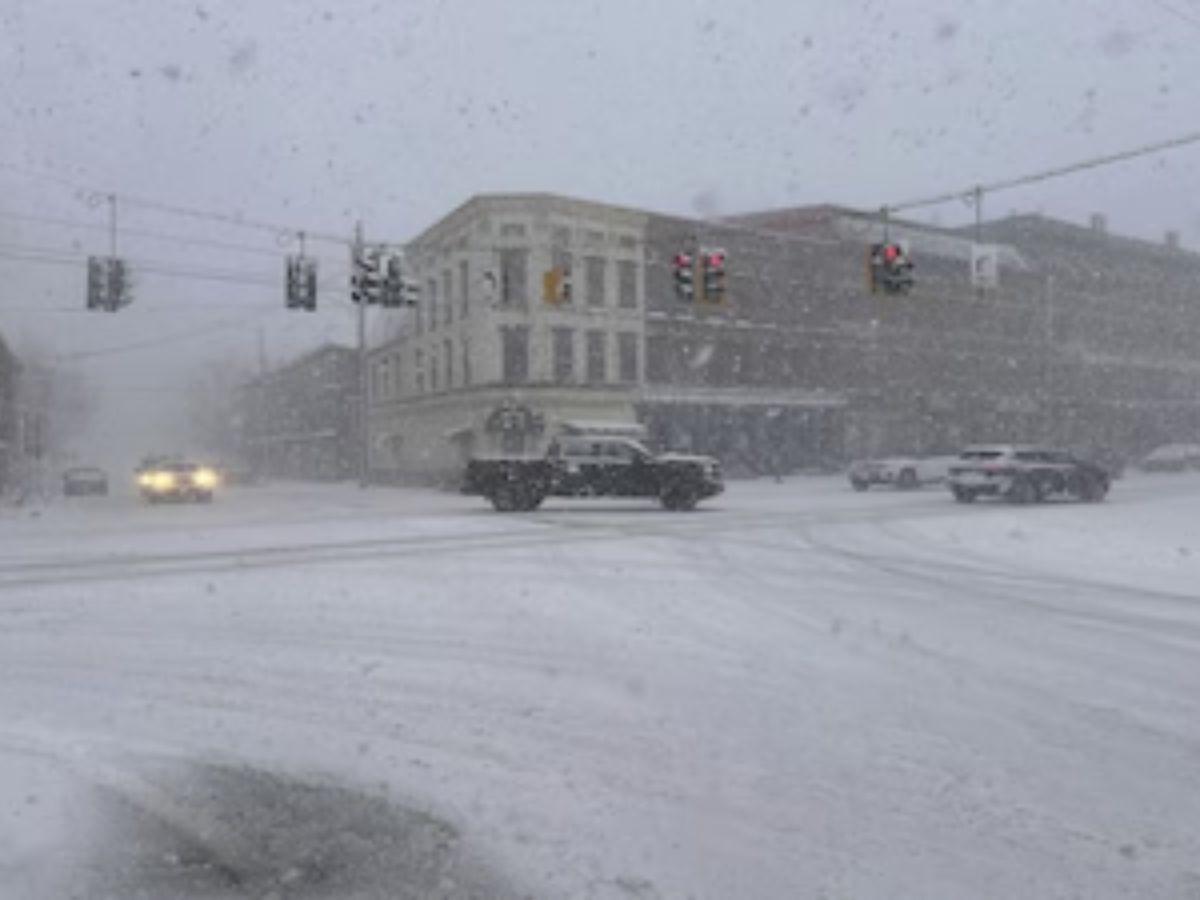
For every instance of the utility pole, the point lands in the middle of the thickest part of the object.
(262, 350)
(364, 460)
(112, 226)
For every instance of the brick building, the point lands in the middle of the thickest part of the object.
(299, 421)
(1085, 340)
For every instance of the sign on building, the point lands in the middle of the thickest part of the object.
(985, 266)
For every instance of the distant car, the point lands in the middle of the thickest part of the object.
(903, 472)
(177, 480)
(1172, 458)
(1023, 474)
(85, 481)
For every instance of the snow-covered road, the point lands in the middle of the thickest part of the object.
(796, 691)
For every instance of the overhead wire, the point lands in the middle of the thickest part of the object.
(1178, 13)
(233, 219)
(147, 234)
(163, 340)
(1047, 174)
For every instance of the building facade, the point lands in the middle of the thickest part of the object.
(9, 425)
(299, 421)
(1084, 340)
(485, 364)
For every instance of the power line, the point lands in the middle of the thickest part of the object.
(1178, 13)
(177, 210)
(143, 233)
(1048, 174)
(163, 340)
(53, 255)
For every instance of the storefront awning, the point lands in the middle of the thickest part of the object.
(741, 398)
(606, 427)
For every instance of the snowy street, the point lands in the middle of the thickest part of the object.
(795, 691)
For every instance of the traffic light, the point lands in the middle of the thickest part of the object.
(889, 268)
(118, 284)
(301, 283)
(556, 285)
(714, 275)
(684, 266)
(398, 290)
(107, 283)
(366, 281)
(97, 283)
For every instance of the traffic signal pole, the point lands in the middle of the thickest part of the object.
(362, 437)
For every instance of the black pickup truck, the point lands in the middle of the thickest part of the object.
(583, 466)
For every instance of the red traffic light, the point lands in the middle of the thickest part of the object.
(715, 260)
(891, 252)
(683, 260)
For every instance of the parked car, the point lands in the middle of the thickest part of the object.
(177, 480)
(594, 466)
(85, 481)
(1024, 474)
(1172, 458)
(903, 472)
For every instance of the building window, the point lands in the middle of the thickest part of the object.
(448, 355)
(594, 280)
(512, 229)
(514, 341)
(433, 370)
(419, 316)
(466, 362)
(564, 355)
(448, 295)
(561, 259)
(514, 276)
(384, 387)
(419, 370)
(464, 282)
(657, 363)
(431, 287)
(397, 375)
(597, 357)
(627, 353)
(627, 284)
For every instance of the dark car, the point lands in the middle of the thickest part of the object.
(595, 466)
(85, 481)
(1023, 474)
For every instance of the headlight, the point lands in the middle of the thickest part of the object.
(145, 479)
(162, 481)
(205, 478)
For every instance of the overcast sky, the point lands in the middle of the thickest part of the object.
(313, 114)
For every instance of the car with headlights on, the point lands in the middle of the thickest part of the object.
(178, 481)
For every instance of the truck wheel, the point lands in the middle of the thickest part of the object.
(532, 501)
(1023, 491)
(907, 480)
(963, 495)
(1092, 490)
(679, 499)
(859, 485)
(505, 499)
